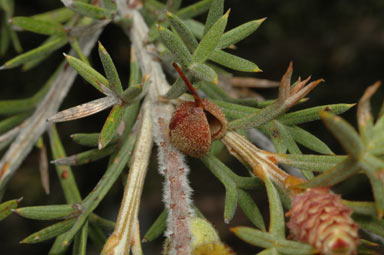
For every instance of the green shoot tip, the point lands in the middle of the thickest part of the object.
(227, 13)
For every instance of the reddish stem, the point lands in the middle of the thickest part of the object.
(189, 85)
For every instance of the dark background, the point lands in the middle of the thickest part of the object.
(340, 41)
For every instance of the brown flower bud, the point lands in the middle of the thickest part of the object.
(195, 124)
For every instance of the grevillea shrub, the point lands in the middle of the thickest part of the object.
(182, 101)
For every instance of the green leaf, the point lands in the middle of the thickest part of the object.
(218, 168)
(239, 33)
(176, 46)
(361, 207)
(39, 26)
(231, 111)
(97, 236)
(50, 232)
(204, 72)
(194, 9)
(90, 10)
(58, 15)
(22, 105)
(67, 180)
(373, 167)
(313, 113)
(210, 40)
(371, 224)
(7, 207)
(13, 121)
(173, 4)
(286, 138)
(231, 196)
(338, 173)
(268, 240)
(39, 52)
(308, 140)
(196, 27)
(86, 139)
(88, 73)
(250, 209)
(85, 157)
(49, 212)
(233, 62)
(255, 119)
(110, 125)
(277, 223)
(315, 163)
(183, 31)
(110, 70)
(134, 93)
(215, 12)
(345, 133)
(157, 228)
(80, 243)
(109, 4)
(276, 137)
(102, 187)
(15, 41)
(270, 251)
(230, 203)
(5, 38)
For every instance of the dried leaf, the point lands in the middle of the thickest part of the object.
(84, 110)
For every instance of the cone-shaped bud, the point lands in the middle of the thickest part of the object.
(194, 125)
(318, 217)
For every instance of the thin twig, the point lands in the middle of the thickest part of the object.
(179, 234)
(120, 240)
(36, 125)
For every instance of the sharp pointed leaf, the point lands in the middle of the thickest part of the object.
(250, 209)
(277, 223)
(203, 72)
(215, 12)
(90, 10)
(176, 46)
(313, 113)
(239, 33)
(110, 125)
(308, 140)
(267, 240)
(49, 212)
(338, 173)
(85, 157)
(345, 133)
(210, 40)
(194, 9)
(183, 31)
(39, 26)
(157, 228)
(80, 243)
(315, 163)
(110, 70)
(50, 232)
(233, 62)
(39, 52)
(58, 15)
(7, 207)
(88, 73)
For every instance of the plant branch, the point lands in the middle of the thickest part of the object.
(175, 195)
(37, 124)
